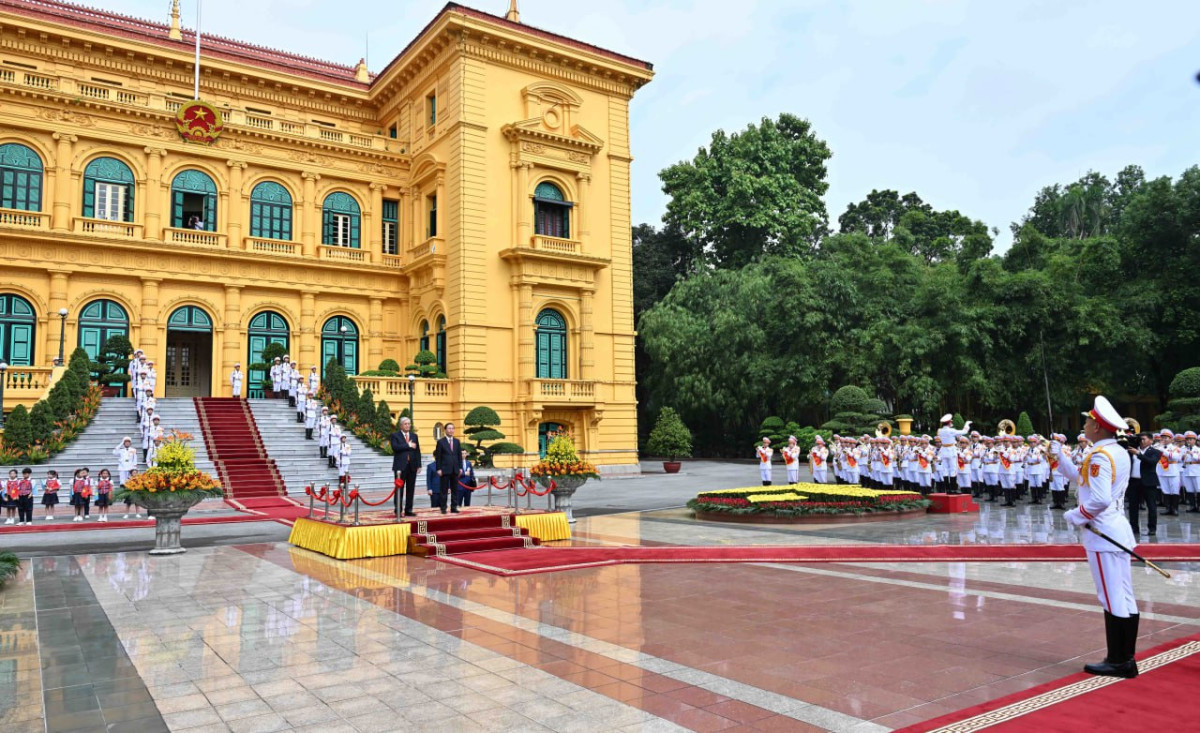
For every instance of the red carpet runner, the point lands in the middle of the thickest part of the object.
(454, 535)
(249, 475)
(1162, 698)
(552, 559)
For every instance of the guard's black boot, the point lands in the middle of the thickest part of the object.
(308, 433)
(766, 483)
(1193, 503)
(1010, 497)
(1119, 662)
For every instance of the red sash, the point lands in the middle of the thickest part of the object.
(852, 461)
(887, 461)
(1005, 462)
(961, 463)
(787, 458)
(816, 460)
(923, 461)
(1165, 462)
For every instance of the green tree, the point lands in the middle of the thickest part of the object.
(112, 364)
(1024, 425)
(18, 431)
(879, 214)
(389, 365)
(773, 428)
(670, 438)
(424, 365)
(481, 423)
(383, 419)
(271, 352)
(364, 409)
(1183, 411)
(41, 422)
(754, 193)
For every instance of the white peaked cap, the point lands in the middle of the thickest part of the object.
(1106, 415)
(947, 417)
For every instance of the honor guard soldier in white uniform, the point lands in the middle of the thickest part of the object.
(126, 459)
(818, 461)
(314, 381)
(323, 432)
(276, 378)
(236, 379)
(764, 453)
(310, 418)
(791, 460)
(1169, 471)
(947, 437)
(1191, 471)
(301, 398)
(335, 438)
(1103, 479)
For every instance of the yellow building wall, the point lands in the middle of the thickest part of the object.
(508, 118)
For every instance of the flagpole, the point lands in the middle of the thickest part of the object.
(196, 80)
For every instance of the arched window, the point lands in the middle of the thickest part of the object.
(342, 219)
(20, 178)
(189, 318)
(441, 344)
(97, 321)
(18, 327)
(194, 201)
(339, 341)
(551, 345)
(424, 335)
(265, 328)
(551, 211)
(108, 190)
(271, 211)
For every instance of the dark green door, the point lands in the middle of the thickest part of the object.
(266, 328)
(545, 430)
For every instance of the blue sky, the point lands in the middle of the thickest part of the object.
(973, 105)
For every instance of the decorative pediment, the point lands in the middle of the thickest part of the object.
(537, 134)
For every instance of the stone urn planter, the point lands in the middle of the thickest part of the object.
(168, 509)
(564, 488)
(671, 466)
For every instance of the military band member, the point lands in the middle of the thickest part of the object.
(1103, 479)
(1169, 471)
(977, 450)
(818, 461)
(1035, 468)
(947, 437)
(236, 378)
(1058, 482)
(764, 453)
(791, 460)
(1191, 471)
(962, 464)
(854, 457)
(1010, 459)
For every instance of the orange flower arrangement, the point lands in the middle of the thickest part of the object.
(175, 473)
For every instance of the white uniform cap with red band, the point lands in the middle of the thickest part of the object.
(1106, 416)
(1165, 433)
(947, 418)
(1189, 434)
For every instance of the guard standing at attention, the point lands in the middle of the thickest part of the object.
(1103, 478)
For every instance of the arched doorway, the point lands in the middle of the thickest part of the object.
(188, 371)
(546, 433)
(266, 328)
(18, 327)
(339, 341)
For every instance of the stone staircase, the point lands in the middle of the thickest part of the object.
(451, 535)
(299, 460)
(115, 420)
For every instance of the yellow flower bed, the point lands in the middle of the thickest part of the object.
(761, 498)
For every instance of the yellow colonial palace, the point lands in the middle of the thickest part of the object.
(472, 199)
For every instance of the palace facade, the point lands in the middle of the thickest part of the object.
(472, 199)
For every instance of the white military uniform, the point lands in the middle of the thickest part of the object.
(343, 458)
(1103, 479)
(314, 381)
(126, 459)
(310, 418)
(764, 462)
(791, 460)
(948, 453)
(236, 378)
(818, 461)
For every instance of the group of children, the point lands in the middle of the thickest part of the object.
(20, 492)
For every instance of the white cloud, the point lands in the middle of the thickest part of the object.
(973, 105)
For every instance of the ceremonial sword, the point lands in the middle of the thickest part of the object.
(1123, 548)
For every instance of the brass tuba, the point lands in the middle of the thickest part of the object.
(883, 430)
(1134, 426)
(1008, 427)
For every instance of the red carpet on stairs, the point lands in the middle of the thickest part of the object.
(451, 535)
(250, 477)
(552, 559)
(1162, 698)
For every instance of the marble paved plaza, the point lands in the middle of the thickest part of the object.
(265, 637)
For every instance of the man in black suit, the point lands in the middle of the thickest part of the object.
(449, 457)
(406, 459)
(1143, 483)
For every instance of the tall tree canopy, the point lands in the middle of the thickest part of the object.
(753, 193)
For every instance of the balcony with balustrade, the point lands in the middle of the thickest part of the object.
(25, 385)
(562, 391)
(194, 238)
(18, 219)
(108, 229)
(342, 254)
(278, 247)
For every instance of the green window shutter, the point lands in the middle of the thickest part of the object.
(89, 198)
(127, 213)
(177, 210)
(326, 227)
(20, 345)
(354, 231)
(210, 213)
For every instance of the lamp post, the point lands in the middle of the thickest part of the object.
(62, 334)
(3, 369)
(342, 347)
(412, 385)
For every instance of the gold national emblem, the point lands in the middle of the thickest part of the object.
(199, 122)
(1095, 470)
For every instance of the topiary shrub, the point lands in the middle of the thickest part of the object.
(41, 422)
(424, 364)
(383, 419)
(1183, 411)
(18, 431)
(670, 438)
(773, 428)
(1024, 425)
(481, 425)
(849, 399)
(854, 412)
(389, 365)
(271, 352)
(1186, 383)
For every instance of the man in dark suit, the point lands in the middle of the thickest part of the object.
(406, 459)
(1143, 484)
(449, 457)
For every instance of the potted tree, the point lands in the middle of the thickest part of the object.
(112, 365)
(169, 490)
(670, 439)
